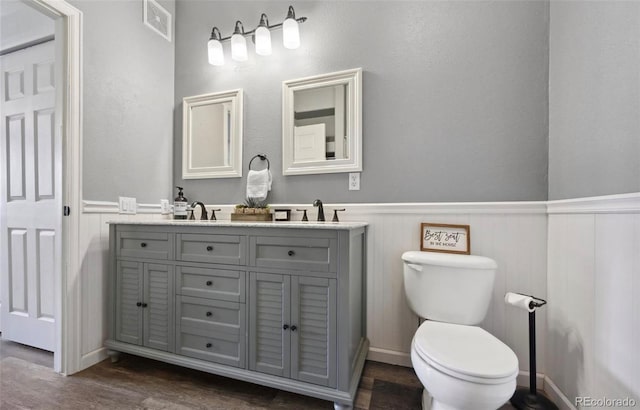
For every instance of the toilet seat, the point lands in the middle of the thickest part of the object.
(465, 352)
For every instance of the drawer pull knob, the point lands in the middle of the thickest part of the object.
(285, 327)
(291, 253)
(209, 345)
(209, 248)
(294, 328)
(143, 245)
(209, 313)
(139, 304)
(144, 305)
(209, 283)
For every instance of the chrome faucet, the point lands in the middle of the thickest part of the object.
(318, 203)
(203, 214)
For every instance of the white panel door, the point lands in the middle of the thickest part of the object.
(30, 185)
(310, 143)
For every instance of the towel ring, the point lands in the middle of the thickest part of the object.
(262, 157)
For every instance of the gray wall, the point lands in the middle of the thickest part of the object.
(128, 79)
(594, 99)
(455, 96)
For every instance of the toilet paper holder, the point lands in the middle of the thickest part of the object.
(534, 302)
(529, 399)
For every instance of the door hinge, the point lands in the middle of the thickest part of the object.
(66, 210)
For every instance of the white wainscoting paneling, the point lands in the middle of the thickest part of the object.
(594, 297)
(94, 240)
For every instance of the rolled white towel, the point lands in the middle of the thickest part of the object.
(259, 184)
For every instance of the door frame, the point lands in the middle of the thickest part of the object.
(68, 29)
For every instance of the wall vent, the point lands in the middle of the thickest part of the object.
(157, 18)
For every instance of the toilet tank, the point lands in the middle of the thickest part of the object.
(449, 287)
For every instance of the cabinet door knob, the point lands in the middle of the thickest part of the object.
(139, 304)
(209, 345)
(285, 327)
(144, 305)
(291, 253)
(294, 328)
(143, 245)
(209, 313)
(209, 248)
(209, 283)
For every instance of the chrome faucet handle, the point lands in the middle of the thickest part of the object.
(304, 215)
(191, 217)
(213, 214)
(335, 214)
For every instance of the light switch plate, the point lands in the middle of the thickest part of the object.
(165, 208)
(354, 181)
(127, 205)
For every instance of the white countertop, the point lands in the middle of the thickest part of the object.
(244, 224)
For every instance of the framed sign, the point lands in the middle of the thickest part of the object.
(445, 238)
(282, 214)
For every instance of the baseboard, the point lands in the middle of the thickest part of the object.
(389, 356)
(524, 379)
(556, 395)
(91, 358)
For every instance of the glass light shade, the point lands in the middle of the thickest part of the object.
(216, 55)
(263, 41)
(238, 47)
(290, 34)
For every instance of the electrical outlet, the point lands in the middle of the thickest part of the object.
(127, 205)
(165, 208)
(354, 181)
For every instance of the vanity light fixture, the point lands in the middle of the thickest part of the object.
(239, 43)
(261, 36)
(290, 31)
(216, 55)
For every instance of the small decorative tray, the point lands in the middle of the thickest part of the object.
(252, 217)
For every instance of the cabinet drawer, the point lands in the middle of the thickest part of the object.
(313, 254)
(226, 249)
(221, 348)
(211, 283)
(152, 245)
(211, 315)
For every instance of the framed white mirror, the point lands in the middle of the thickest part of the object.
(212, 135)
(322, 123)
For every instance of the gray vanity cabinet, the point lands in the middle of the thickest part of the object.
(144, 304)
(293, 327)
(281, 305)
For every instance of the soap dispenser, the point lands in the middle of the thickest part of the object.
(180, 205)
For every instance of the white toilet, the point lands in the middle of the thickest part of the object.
(462, 366)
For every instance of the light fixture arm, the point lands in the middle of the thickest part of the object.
(239, 27)
(215, 34)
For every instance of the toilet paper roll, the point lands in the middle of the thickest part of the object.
(519, 301)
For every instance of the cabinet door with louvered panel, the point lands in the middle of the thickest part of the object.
(313, 339)
(269, 343)
(158, 311)
(128, 301)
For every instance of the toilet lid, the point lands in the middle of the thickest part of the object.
(467, 352)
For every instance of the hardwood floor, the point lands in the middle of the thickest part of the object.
(27, 381)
